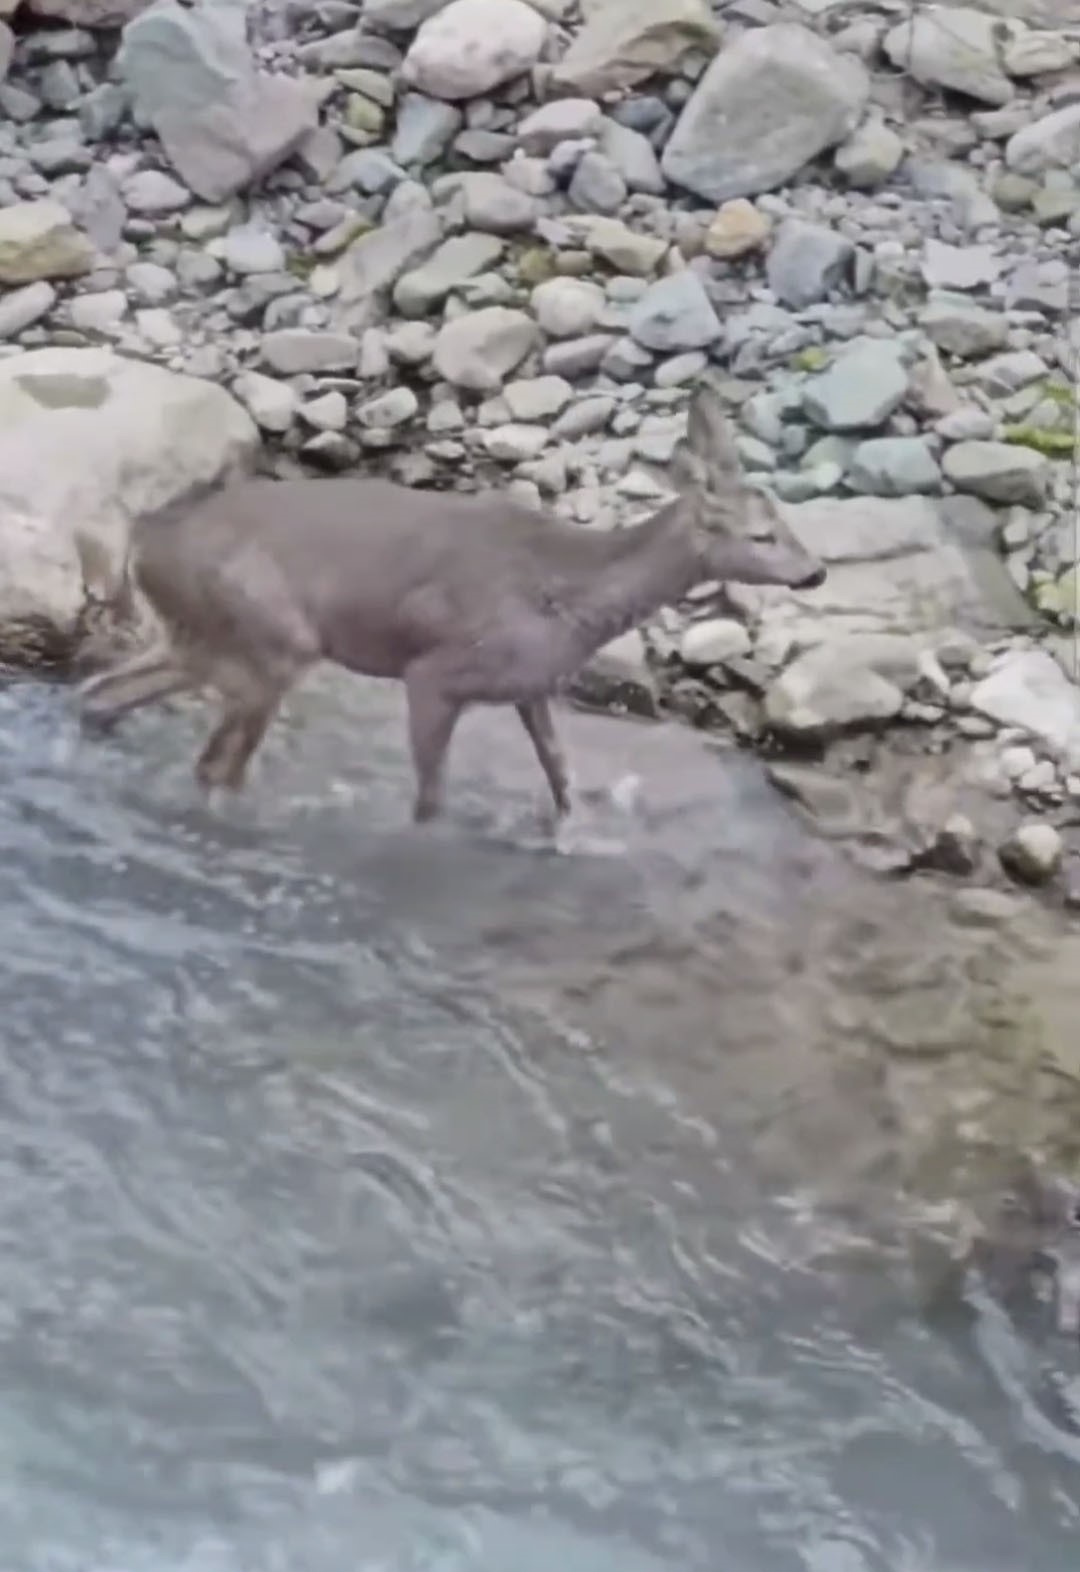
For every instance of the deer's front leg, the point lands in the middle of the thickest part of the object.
(432, 718)
(537, 719)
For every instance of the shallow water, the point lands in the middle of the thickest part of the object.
(381, 1198)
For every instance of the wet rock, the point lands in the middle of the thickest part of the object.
(1032, 854)
(859, 390)
(222, 123)
(619, 677)
(848, 682)
(985, 908)
(998, 472)
(131, 438)
(479, 351)
(952, 46)
(806, 262)
(1029, 690)
(86, 13)
(39, 241)
(471, 47)
(714, 641)
(769, 103)
(625, 41)
(674, 314)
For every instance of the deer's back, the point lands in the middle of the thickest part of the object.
(371, 574)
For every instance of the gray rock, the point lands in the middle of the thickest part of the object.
(99, 313)
(1028, 690)
(870, 155)
(1038, 285)
(633, 156)
(366, 169)
(674, 314)
(569, 308)
(1008, 373)
(514, 443)
(537, 398)
(193, 78)
(596, 185)
(101, 111)
(150, 284)
(962, 328)
(847, 683)
(150, 192)
(564, 119)
(806, 262)
(480, 350)
(425, 129)
(471, 47)
(712, 642)
(271, 404)
(893, 467)
(952, 46)
(769, 103)
(248, 249)
(959, 267)
(457, 259)
(859, 391)
(371, 266)
(586, 417)
(999, 472)
(490, 203)
(39, 241)
(21, 308)
(1050, 142)
(624, 41)
(1033, 853)
(388, 410)
(577, 357)
(291, 351)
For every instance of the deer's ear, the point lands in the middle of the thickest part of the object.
(709, 434)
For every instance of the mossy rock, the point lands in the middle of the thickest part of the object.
(1052, 444)
(536, 264)
(812, 358)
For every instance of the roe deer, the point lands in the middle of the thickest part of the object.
(467, 599)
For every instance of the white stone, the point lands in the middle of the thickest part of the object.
(89, 440)
(251, 250)
(473, 46)
(271, 404)
(713, 641)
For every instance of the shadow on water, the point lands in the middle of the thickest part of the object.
(374, 1198)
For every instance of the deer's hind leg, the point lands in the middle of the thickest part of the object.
(537, 719)
(251, 700)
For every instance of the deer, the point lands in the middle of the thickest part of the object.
(467, 599)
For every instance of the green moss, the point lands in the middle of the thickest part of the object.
(536, 264)
(1054, 444)
(301, 264)
(812, 358)
(1059, 393)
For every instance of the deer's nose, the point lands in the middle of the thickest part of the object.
(813, 580)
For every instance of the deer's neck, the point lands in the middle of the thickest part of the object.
(639, 570)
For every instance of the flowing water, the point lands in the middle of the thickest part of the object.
(382, 1198)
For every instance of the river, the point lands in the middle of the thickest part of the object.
(378, 1199)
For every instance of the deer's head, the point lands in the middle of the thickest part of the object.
(738, 529)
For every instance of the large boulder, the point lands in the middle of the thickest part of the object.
(89, 440)
(222, 122)
(767, 105)
(624, 41)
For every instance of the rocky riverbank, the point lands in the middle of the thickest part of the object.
(500, 239)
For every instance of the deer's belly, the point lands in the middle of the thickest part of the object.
(511, 666)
